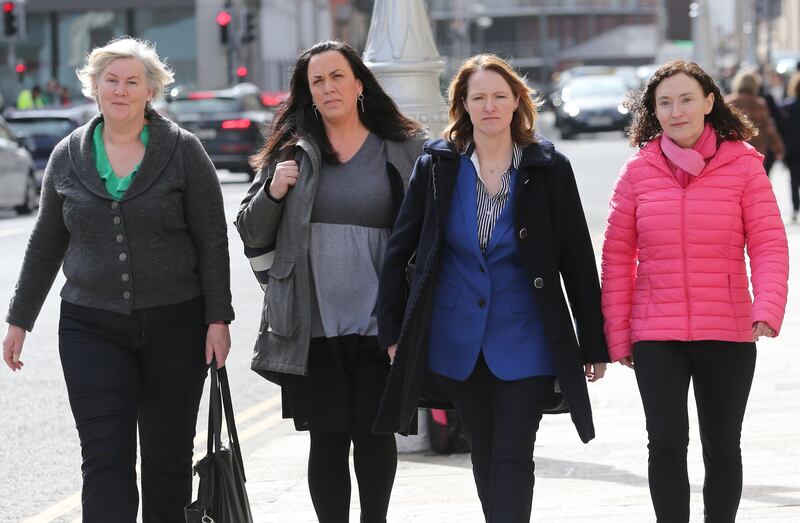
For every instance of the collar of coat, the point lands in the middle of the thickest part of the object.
(538, 154)
(163, 139)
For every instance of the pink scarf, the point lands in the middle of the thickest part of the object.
(685, 162)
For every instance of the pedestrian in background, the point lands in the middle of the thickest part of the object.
(331, 179)
(132, 208)
(745, 97)
(494, 217)
(675, 288)
(791, 124)
(30, 98)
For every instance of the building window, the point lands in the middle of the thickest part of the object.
(173, 31)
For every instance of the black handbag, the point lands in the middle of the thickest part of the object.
(221, 497)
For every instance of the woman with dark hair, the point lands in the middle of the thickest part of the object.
(495, 219)
(331, 179)
(675, 287)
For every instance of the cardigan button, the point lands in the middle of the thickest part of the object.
(482, 303)
(126, 295)
(114, 205)
(523, 233)
(123, 257)
(120, 238)
(117, 220)
(125, 277)
(538, 283)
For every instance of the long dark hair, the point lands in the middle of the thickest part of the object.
(296, 117)
(728, 122)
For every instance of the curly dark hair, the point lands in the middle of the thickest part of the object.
(295, 118)
(728, 122)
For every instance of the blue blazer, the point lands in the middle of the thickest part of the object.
(484, 301)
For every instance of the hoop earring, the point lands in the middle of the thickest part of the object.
(361, 101)
(316, 113)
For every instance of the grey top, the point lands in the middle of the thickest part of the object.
(285, 330)
(165, 242)
(350, 224)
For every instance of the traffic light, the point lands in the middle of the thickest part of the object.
(10, 19)
(224, 21)
(249, 26)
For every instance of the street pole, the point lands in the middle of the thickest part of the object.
(402, 54)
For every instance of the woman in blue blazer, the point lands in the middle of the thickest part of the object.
(494, 218)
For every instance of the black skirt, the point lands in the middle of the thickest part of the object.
(343, 388)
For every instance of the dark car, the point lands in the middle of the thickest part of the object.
(44, 128)
(231, 123)
(17, 180)
(593, 104)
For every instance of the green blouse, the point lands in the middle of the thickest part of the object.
(115, 185)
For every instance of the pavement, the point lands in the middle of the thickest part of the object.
(604, 481)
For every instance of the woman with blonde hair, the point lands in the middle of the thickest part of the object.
(495, 221)
(132, 208)
(745, 97)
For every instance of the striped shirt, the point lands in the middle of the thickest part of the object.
(490, 207)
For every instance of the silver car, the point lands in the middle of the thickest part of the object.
(17, 178)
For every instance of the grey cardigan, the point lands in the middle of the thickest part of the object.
(285, 331)
(165, 242)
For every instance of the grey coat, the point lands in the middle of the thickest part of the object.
(285, 331)
(165, 242)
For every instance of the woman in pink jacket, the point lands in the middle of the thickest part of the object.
(675, 289)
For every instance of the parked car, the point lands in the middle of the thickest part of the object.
(231, 123)
(44, 128)
(592, 104)
(17, 179)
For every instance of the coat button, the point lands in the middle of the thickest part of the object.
(126, 295)
(482, 303)
(114, 205)
(117, 220)
(481, 268)
(538, 283)
(123, 256)
(125, 277)
(120, 238)
(523, 233)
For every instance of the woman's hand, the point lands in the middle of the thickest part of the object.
(391, 351)
(627, 361)
(285, 176)
(761, 328)
(594, 371)
(12, 347)
(218, 343)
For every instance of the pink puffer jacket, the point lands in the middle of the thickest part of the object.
(691, 281)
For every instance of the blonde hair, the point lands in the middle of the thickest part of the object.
(523, 123)
(746, 81)
(159, 74)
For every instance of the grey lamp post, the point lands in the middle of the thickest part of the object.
(401, 53)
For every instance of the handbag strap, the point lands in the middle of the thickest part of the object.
(214, 441)
(233, 435)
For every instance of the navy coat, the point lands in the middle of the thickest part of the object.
(553, 242)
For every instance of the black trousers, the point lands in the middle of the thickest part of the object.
(721, 373)
(501, 418)
(120, 370)
(794, 181)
